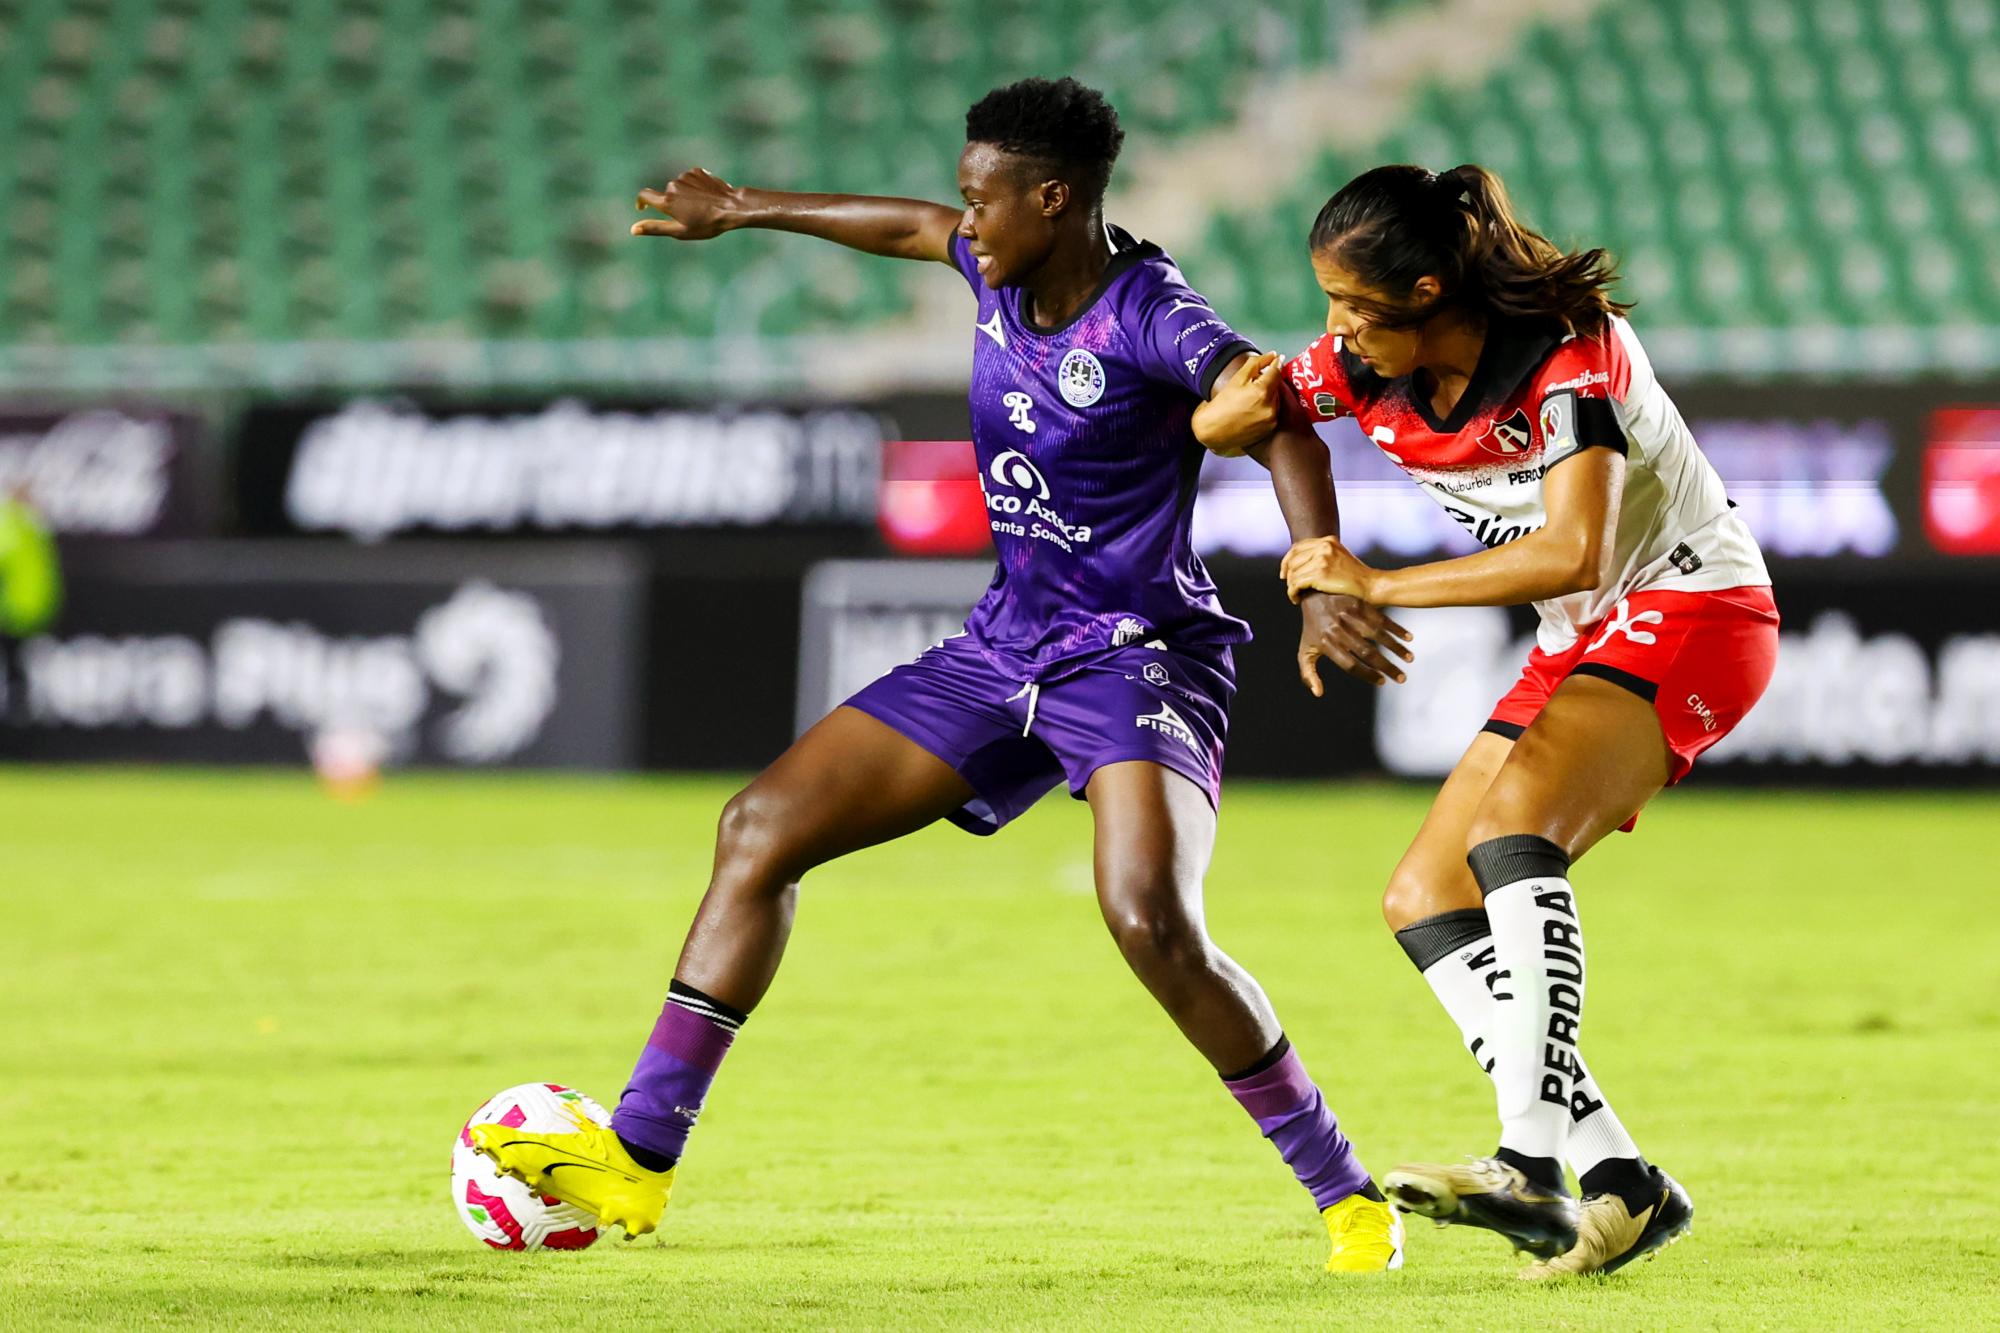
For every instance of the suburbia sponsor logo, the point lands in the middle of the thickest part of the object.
(1024, 515)
(485, 653)
(372, 469)
(98, 472)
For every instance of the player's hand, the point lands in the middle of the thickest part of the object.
(1243, 411)
(1322, 564)
(697, 206)
(1356, 637)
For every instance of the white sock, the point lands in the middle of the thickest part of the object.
(1455, 953)
(1596, 1134)
(1537, 1019)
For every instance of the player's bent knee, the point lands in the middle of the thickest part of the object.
(1157, 936)
(751, 837)
(1408, 898)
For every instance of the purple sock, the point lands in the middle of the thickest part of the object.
(660, 1103)
(1288, 1107)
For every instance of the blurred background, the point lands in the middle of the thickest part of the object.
(340, 417)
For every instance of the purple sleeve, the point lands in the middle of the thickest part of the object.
(961, 256)
(1182, 341)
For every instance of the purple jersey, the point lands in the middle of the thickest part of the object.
(1088, 463)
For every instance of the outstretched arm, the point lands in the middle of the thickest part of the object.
(1353, 635)
(1567, 554)
(698, 206)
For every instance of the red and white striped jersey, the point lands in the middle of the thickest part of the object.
(1538, 397)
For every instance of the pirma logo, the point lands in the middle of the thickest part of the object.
(1014, 471)
(1169, 723)
(1080, 377)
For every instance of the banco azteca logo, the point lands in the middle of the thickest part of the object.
(1015, 471)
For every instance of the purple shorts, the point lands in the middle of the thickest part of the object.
(1013, 742)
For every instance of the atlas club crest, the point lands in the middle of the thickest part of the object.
(1509, 438)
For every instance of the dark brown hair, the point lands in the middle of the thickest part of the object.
(1393, 225)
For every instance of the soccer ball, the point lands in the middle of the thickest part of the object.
(501, 1210)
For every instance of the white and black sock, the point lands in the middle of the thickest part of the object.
(1538, 1017)
(1454, 952)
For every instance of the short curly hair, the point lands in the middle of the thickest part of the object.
(1057, 123)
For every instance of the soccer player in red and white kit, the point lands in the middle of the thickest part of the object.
(1497, 371)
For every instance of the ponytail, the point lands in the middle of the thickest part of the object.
(1393, 225)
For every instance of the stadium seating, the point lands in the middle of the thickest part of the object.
(184, 171)
(1755, 165)
(267, 171)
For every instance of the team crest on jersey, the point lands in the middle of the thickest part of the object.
(1326, 405)
(1080, 378)
(1507, 438)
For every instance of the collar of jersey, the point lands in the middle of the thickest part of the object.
(1512, 351)
(1126, 251)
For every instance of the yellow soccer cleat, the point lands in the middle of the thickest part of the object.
(1367, 1236)
(589, 1168)
(1609, 1235)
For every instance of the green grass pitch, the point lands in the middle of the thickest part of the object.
(242, 1023)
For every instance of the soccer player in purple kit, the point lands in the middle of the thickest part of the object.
(1099, 656)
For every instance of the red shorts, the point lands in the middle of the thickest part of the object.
(1701, 658)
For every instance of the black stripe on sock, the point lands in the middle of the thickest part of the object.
(1498, 862)
(704, 1010)
(687, 997)
(1443, 935)
(646, 1157)
(1639, 685)
(1271, 1057)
